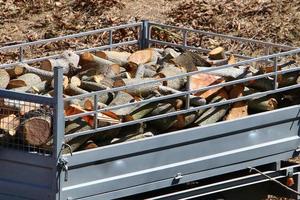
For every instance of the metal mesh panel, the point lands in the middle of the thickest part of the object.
(25, 126)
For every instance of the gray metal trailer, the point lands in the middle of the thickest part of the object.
(130, 168)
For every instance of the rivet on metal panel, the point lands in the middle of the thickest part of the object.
(178, 176)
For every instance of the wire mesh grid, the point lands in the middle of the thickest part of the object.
(26, 126)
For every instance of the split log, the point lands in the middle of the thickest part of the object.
(103, 119)
(103, 99)
(65, 82)
(238, 109)
(9, 124)
(28, 79)
(263, 104)
(92, 86)
(171, 71)
(184, 120)
(15, 71)
(262, 84)
(202, 80)
(231, 72)
(39, 88)
(165, 123)
(120, 99)
(95, 78)
(185, 61)
(36, 127)
(141, 111)
(194, 100)
(119, 58)
(73, 90)
(169, 54)
(69, 61)
(72, 127)
(217, 54)
(231, 60)
(4, 79)
(143, 56)
(140, 71)
(148, 73)
(43, 74)
(217, 62)
(214, 114)
(143, 90)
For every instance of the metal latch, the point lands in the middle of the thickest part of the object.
(63, 163)
(178, 176)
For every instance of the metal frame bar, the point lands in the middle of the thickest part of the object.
(144, 41)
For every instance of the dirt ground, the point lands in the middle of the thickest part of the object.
(268, 20)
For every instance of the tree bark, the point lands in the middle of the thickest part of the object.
(69, 61)
(119, 58)
(120, 99)
(36, 127)
(28, 79)
(142, 90)
(214, 114)
(15, 71)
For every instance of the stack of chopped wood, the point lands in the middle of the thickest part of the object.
(104, 70)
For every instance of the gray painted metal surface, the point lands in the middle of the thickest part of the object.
(134, 167)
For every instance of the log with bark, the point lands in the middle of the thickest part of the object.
(231, 72)
(28, 79)
(142, 90)
(238, 109)
(214, 114)
(170, 71)
(36, 127)
(15, 71)
(116, 57)
(68, 61)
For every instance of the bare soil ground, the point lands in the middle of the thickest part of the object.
(269, 20)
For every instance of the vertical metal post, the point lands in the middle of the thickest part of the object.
(276, 73)
(95, 109)
(184, 36)
(144, 35)
(110, 39)
(58, 129)
(21, 54)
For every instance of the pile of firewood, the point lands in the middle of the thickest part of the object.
(104, 70)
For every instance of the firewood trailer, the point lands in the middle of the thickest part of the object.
(169, 160)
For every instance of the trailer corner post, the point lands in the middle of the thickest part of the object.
(58, 127)
(144, 35)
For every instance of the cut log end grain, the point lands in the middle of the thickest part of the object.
(217, 54)
(15, 71)
(65, 82)
(4, 79)
(237, 111)
(37, 130)
(199, 81)
(9, 124)
(143, 56)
